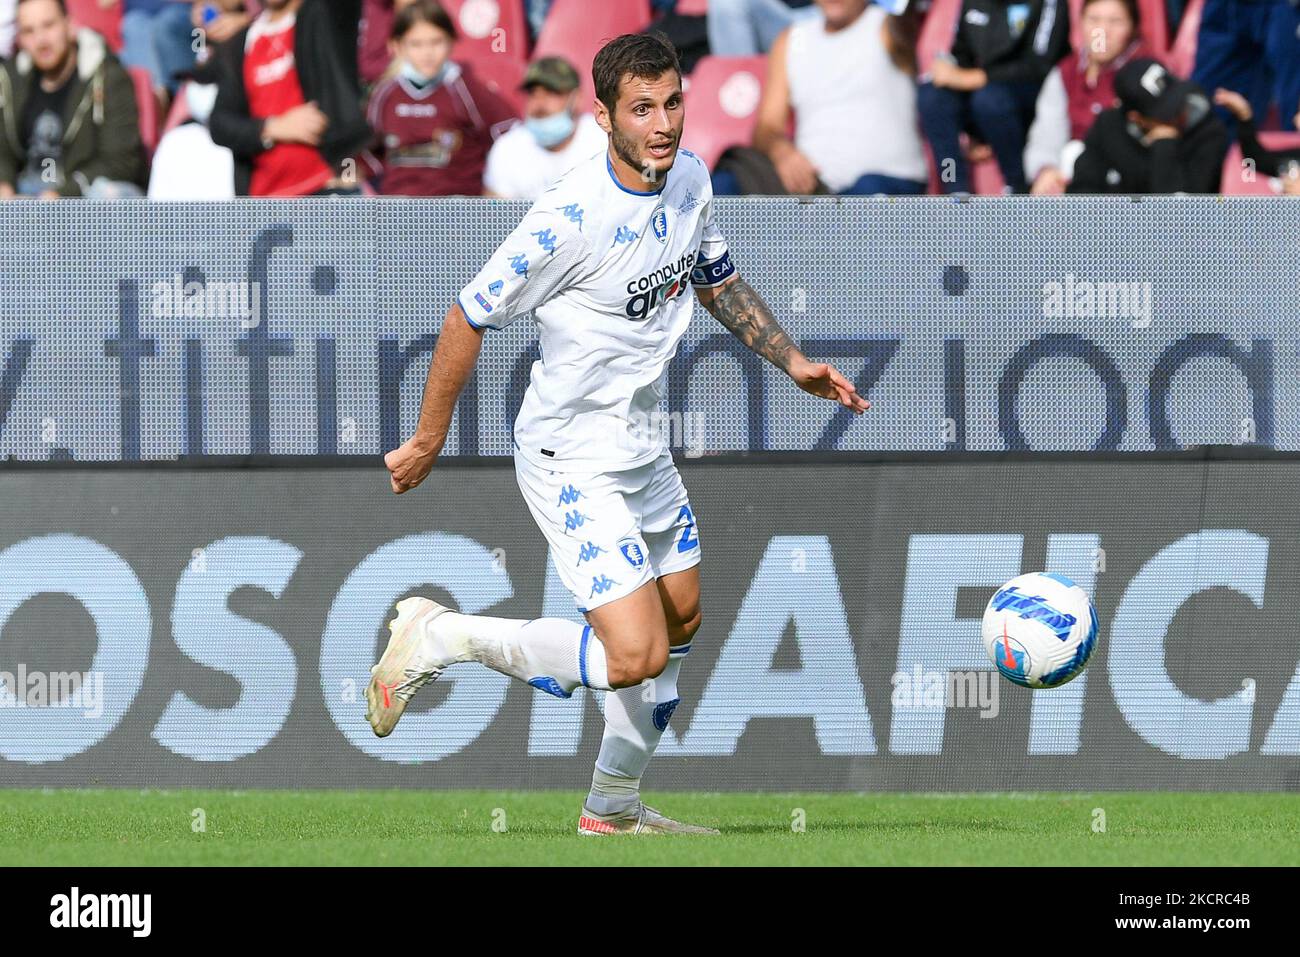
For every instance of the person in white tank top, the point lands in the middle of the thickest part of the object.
(854, 108)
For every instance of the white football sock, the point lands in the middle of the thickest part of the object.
(635, 719)
(554, 655)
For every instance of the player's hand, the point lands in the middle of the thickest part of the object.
(410, 464)
(823, 379)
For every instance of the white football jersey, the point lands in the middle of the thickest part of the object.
(607, 273)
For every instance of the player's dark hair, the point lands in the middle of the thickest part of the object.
(422, 11)
(62, 5)
(641, 55)
(1134, 12)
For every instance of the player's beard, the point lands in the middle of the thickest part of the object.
(626, 149)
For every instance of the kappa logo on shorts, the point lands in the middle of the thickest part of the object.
(589, 551)
(633, 552)
(574, 520)
(568, 495)
(601, 585)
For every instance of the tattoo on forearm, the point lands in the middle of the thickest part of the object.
(738, 307)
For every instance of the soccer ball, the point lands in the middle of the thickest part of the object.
(1040, 630)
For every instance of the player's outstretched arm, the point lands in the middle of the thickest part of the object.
(737, 306)
(453, 362)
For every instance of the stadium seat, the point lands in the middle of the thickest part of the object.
(503, 75)
(105, 21)
(1155, 27)
(1232, 183)
(722, 104)
(489, 30)
(147, 105)
(1182, 54)
(936, 33)
(180, 110)
(576, 29)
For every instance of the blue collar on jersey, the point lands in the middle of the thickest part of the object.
(635, 192)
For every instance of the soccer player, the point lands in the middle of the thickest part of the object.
(604, 260)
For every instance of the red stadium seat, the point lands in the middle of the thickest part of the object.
(722, 100)
(107, 22)
(1233, 184)
(1182, 54)
(147, 105)
(1155, 28)
(936, 33)
(503, 75)
(489, 30)
(576, 29)
(180, 110)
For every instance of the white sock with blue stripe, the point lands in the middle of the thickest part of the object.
(635, 719)
(554, 655)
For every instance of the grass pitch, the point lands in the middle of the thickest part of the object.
(114, 827)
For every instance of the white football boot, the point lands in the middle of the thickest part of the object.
(640, 819)
(401, 672)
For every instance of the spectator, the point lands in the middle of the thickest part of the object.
(847, 78)
(68, 120)
(188, 166)
(750, 27)
(1252, 46)
(552, 139)
(156, 36)
(286, 107)
(6, 28)
(434, 121)
(1000, 55)
(1163, 137)
(1284, 164)
(1078, 89)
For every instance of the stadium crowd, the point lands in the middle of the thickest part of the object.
(214, 99)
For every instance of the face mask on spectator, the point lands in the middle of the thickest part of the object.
(550, 130)
(409, 71)
(200, 98)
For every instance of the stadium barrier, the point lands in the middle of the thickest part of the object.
(213, 625)
(150, 331)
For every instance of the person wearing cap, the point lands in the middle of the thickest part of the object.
(433, 120)
(1078, 89)
(1163, 137)
(553, 138)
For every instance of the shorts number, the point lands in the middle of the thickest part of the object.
(689, 539)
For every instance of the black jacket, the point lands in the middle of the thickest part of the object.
(324, 78)
(1115, 160)
(1011, 49)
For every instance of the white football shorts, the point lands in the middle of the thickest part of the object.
(611, 532)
